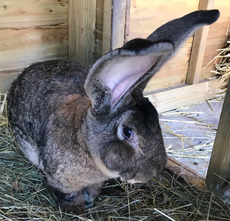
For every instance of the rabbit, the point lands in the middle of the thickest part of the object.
(83, 125)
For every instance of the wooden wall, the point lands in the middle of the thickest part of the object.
(219, 33)
(147, 15)
(30, 31)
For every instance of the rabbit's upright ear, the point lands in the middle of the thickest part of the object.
(115, 75)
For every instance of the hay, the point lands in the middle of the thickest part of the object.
(24, 195)
(222, 65)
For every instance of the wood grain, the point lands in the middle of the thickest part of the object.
(30, 31)
(198, 47)
(217, 37)
(173, 72)
(82, 21)
(145, 17)
(185, 95)
(162, 82)
(118, 23)
(99, 29)
(191, 176)
(30, 13)
(20, 48)
(218, 175)
(107, 26)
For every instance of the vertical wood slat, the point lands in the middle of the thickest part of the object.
(107, 26)
(219, 166)
(118, 23)
(82, 19)
(198, 47)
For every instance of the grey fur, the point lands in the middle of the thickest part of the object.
(69, 119)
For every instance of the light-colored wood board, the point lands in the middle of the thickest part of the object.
(148, 15)
(20, 48)
(6, 78)
(171, 99)
(157, 83)
(107, 26)
(218, 174)
(198, 47)
(191, 176)
(145, 18)
(173, 72)
(82, 21)
(29, 13)
(118, 23)
(99, 29)
(217, 36)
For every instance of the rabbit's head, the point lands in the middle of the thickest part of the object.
(121, 128)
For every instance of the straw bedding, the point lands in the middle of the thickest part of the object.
(25, 196)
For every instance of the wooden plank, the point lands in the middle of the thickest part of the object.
(107, 26)
(198, 47)
(20, 48)
(99, 29)
(171, 99)
(82, 20)
(24, 13)
(145, 18)
(173, 72)
(31, 31)
(163, 82)
(191, 176)
(118, 24)
(218, 175)
(218, 35)
(148, 15)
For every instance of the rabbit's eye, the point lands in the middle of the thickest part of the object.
(127, 133)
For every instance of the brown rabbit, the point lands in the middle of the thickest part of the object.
(83, 125)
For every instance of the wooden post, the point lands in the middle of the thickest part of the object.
(107, 26)
(82, 19)
(218, 175)
(198, 47)
(118, 24)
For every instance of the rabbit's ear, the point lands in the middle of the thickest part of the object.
(115, 75)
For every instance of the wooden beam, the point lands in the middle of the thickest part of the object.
(118, 24)
(191, 176)
(218, 175)
(82, 20)
(181, 96)
(107, 26)
(198, 47)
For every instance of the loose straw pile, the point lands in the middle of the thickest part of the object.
(222, 65)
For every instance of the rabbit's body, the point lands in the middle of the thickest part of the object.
(46, 122)
(83, 125)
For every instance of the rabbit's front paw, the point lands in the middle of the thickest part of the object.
(71, 202)
(91, 192)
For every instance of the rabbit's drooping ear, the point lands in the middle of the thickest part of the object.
(115, 75)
